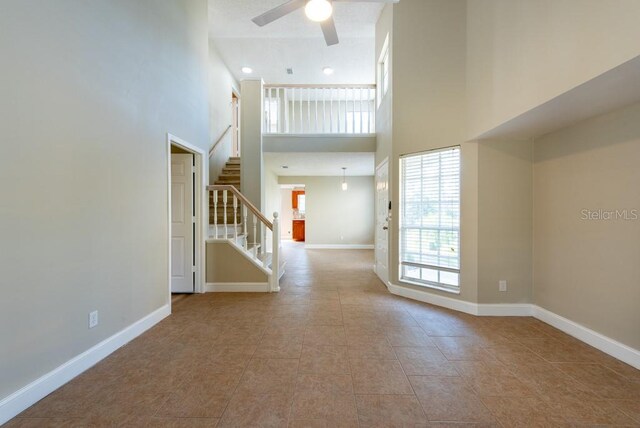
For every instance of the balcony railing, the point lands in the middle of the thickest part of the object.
(328, 109)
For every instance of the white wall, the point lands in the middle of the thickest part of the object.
(587, 270)
(522, 53)
(222, 85)
(334, 216)
(89, 92)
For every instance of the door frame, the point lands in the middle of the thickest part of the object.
(235, 93)
(384, 162)
(201, 210)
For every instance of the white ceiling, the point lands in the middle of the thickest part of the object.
(294, 41)
(320, 164)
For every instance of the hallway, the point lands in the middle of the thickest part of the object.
(335, 349)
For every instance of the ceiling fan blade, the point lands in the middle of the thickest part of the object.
(329, 31)
(279, 12)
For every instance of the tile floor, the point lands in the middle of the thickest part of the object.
(335, 349)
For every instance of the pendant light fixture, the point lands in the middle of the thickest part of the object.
(345, 186)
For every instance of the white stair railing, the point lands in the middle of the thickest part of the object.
(326, 109)
(253, 245)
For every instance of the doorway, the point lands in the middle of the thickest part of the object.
(186, 214)
(383, 213)
(293, 212)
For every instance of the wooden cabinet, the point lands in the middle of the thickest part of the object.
(298, 230)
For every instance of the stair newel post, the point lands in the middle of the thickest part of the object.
(255, 237)
(275, 258)
(224, 216)
(244, 226)
(215, 212)
(235, 218)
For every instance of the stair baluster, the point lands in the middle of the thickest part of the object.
(235, 218)
(244, 227)
(215, 212)
(263, 250)
(255, 235)
(224, 203)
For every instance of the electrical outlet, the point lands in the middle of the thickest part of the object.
(93, 319)
(502, 285)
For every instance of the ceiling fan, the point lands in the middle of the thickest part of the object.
(316, 10)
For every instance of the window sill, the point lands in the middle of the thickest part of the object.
(432, 286)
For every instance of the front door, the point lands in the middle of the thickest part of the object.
(182, 224)
(382, 222)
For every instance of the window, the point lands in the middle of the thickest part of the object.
(383, 71)
(430, 219)
(302, 206)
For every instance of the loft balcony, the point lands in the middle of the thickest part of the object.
(309, 118)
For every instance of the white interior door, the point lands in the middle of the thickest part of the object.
(182, 224)
(382, 222)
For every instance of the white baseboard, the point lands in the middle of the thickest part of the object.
(25, 397)
(434, 299)
(238, 287)
(504, 310)
(339, 246)
(599, 341)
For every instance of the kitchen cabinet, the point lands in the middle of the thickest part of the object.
(298, 230)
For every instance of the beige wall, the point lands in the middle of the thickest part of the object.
(253, 182)
(286, 214)
(334, 216)
(589, 270)
(222, 85)
(522, 53)
(226, 264)
(272, 202)
(505, 220)
(428, 111)
(89, 92)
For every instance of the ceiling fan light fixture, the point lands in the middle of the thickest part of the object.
(318, 10)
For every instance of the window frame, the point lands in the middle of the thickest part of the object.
(439, 269)
(383, 62)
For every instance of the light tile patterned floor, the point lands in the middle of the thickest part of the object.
(335, 349)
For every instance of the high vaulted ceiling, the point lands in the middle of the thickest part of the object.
(295, 42)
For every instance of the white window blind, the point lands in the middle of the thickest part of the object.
(430, 218)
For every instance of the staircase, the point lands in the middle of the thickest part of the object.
(230, 176)
(235, 220)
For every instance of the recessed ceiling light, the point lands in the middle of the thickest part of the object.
(328, 71)
(318, 10)
(247, 70)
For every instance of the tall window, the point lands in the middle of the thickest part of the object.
(430, 219)
(383, 71)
